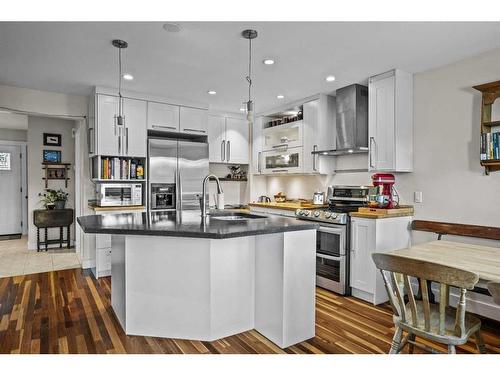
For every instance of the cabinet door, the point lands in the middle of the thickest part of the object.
(105, 124)
(362, 246)
(381, 123)
(163, 117)
(216, 139)
(237, 146)
(257, 146)
(193, 120)
(134, 140)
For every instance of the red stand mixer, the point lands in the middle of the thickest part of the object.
(384, 182)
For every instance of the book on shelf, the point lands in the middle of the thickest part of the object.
(116, 168)
(490, 146)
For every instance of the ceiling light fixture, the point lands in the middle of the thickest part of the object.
(171, 27)
(330, 79)
(128, 77)
(211, 92)
(280, 97)
(120, 44)
(249, 34)
(268, 62)
(242, 109)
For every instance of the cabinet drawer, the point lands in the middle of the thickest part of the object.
(104, 259)
(103, 241)
(163, 117)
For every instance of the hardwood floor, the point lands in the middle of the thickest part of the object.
(69, 312)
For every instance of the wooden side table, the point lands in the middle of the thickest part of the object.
(52, 219)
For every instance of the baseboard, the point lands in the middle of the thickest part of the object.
(87, 263)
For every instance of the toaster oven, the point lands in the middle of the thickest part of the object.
(119, 194)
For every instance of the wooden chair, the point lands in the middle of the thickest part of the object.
(494, 289)
(436, 322)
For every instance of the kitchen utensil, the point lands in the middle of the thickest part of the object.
(319, 197)
(264, 199)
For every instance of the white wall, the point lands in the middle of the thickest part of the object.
(13, 135)
(446, 141)
(36, 127)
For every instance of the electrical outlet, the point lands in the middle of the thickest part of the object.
(418, 197)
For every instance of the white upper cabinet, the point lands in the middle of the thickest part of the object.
(106, 132)
(390, 122)
(216, 139)
(193, 120)
(163, 117)
(237, 144)
(135, 133)
(228, 140)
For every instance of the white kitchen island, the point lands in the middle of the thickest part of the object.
(178, 277)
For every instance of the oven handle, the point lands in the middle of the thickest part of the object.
(331, 257)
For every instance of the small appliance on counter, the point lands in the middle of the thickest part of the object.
(280, 197)
(319, 197)
(264, 199)
(384, 197)
(110, 194)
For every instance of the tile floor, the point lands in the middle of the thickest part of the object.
(16, 259)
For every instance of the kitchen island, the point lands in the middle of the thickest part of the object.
(175, 275)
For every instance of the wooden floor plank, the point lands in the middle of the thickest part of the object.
(69, 311)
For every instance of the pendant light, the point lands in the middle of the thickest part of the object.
(120, 44)
(249, 34)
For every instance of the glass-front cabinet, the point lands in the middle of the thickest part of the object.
(282, 160)
(283, 135)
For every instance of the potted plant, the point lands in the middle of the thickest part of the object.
(54, 199)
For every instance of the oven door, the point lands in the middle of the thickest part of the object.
(330, 273)
(331, 240)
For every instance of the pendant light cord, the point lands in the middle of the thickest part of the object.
(120, 81)
(249, 77)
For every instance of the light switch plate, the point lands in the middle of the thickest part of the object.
(418, 197)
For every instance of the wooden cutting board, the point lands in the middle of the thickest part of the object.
(387, 211)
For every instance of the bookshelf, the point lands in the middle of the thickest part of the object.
(490, 126)
(117, 169)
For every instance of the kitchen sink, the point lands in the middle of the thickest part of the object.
(237, 217)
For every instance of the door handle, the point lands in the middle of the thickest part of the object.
(164, 127)
(126, 139)
(194, 130)
(258, 162)
(315, 148)
(228, 150)
(223, 150)
(372, 141)
(90, 141)
(279, 170)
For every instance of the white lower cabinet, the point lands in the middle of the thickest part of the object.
(370, 236)
(271, 211)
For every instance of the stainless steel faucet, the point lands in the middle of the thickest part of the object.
(204, 196)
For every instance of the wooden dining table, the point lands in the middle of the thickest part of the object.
(482, 260)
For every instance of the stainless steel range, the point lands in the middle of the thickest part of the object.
(333, 237)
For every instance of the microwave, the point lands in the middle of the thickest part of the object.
(282, 161)
(119, 194)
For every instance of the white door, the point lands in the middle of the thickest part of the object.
(216, 139)
(134, 140)
(362, 247)
(107, 131)
(10, 189)
(237, 144)
(381, 122)
(163, 117)
(193, 120)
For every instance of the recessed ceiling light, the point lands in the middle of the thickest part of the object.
(330, 79)
(280, 97)
(171, 27)
(268, 61)
(128, 77)
(211, 92)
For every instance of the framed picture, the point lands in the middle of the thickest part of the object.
(51, 156)
(51, 139)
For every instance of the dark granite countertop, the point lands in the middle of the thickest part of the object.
(189, 224)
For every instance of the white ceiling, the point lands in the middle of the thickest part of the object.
(72, 57)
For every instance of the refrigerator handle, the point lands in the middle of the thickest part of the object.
(179, 190)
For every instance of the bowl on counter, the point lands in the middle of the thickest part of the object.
(280, 197)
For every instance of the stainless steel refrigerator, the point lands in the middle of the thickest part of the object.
(179, 166)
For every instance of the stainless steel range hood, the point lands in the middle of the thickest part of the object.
(351, 121)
